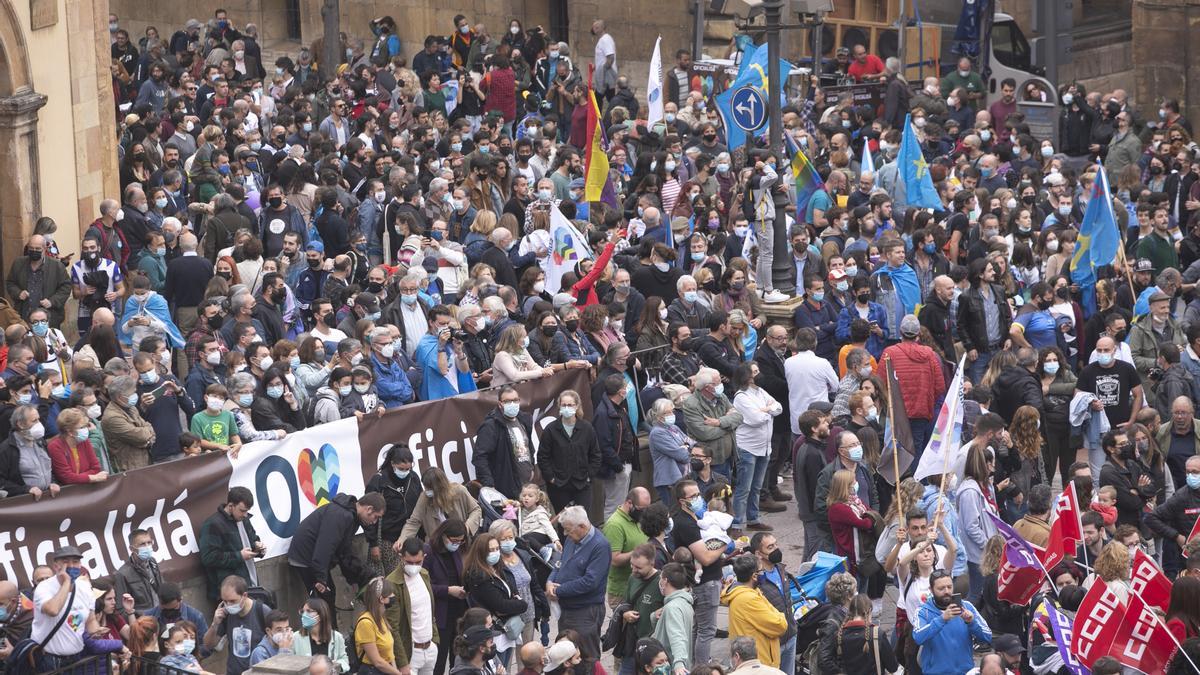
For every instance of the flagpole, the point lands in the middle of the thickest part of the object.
(887, 378)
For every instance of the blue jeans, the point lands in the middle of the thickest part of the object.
(750, 471)
(921, 431)
(664, 495)
(975, 577)
(976, 368)
(787, 656)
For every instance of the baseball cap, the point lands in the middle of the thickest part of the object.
(477, 635)
(1143, 265)
(367, 301)
(837, 275)
(577, 184)
(559, 653)
(910, 326)
(315, 246)
(1007, 644)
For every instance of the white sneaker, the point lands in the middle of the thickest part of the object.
(773, 296)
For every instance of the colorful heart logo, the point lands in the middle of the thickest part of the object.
(319, 474)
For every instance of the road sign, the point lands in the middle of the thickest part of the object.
(749, 109)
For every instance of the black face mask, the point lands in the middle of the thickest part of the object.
(697, 465)
(278, 296)
(1127, 452)
(572, 325)
(313, 264)
(549, 331)
(635, 515)
(775, 557)
(275, 202)
(863, 298)
(33, 255)
(1028, 200)
(227, 276)
(1044, 304)
(1155, 170)
(91, 257)
(1119, 336)
(374, 287)
(215, 321)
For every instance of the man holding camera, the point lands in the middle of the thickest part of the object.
(228, 543)
(445, 371)
(97, 281)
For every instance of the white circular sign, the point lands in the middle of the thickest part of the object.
(277, 226)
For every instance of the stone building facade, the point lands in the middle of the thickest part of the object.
(57, 125)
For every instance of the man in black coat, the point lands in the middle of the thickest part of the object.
(495, 459)
(1017, 385)
(324, 539)
(1174, 519)
(769, 356)
(495, 255)
(935, 314)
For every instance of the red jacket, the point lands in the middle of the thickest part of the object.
(844, 524)
(919, 372)
(584, 290)
(72, 468)
(501, 87)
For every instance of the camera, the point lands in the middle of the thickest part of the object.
(1155, 373)
(97, 279)
(459, 334)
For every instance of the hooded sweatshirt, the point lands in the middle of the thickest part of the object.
(945, 646)
(752, 615)
(674, 628)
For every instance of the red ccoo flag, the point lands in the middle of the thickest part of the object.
(1096, 623)
(1143, 641)
(1065, 530)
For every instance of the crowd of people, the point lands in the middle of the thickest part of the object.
(289, 249)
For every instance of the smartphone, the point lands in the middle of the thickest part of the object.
(160, 390)
(956, 599)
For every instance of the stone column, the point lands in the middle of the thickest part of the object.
(1166, 65)
(20, 200)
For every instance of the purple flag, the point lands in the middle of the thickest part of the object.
(1060, 624)
(1020, 553)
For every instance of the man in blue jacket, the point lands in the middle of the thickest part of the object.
(822, 317)
(579, 583)
(944, 630)
(391, 382)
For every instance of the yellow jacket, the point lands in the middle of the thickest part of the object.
(753, 616)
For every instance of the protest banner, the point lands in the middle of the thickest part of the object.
(289, 478)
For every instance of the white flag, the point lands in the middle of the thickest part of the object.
(654, 92)
(946, 452)
(568, 248)
(867, 165)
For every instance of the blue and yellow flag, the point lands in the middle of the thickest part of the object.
(914, 171)
(1098, 240)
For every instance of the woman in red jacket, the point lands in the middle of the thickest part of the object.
(72, 458)
(847, 515)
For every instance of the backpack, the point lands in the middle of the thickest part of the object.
(352, 651)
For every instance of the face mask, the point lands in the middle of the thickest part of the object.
(266, 362)
(1064, 210)
(93, 411)
(545, 195)
(81, 434)
(275, 391)
(855, 453)
(670, 118)
(493, 557)
(818, 297)
(145, 552)
(362, 388)
(1104, 359)
(451, 546)
(669, 166)
(690, 296)
(1193, 481)
(294, 362)
(149, 377)
(131, 400)
(308, 621)
(567, 411)
(1050, 367)
(401, 473)
(233, 608)
(245, 400)
(387, 351)
(511, 409)
(698, 506)
(697, 256)
(464, 29)
(185, 647)
(307, 127)
(719, 389)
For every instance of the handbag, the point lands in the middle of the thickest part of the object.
(29, 656)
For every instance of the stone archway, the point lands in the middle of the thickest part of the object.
(20, 198)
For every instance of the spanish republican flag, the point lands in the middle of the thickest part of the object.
(598, 186)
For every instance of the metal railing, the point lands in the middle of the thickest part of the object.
(116, 664)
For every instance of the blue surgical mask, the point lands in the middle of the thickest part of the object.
(132, 400)
(245, 400)
(294, 362)
(344, 391)
(545, 195)
(149, 377)
(1051, 367)
(493, 557)
(25, 399)
(308, 621)
(401, 473)
(409, 300)
(146, 552)
(818, 296)
(567, 411)
(1193, 481)
(60, 392)
(855, 454)
(275, 392)
(456, 147)
(930, 248)
(508, 545)
(511, 409)
(81, 434)
(690, 296)
(698, 506)
(1104, 359)
(452, 546)
(697, 256)
(41, 328)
